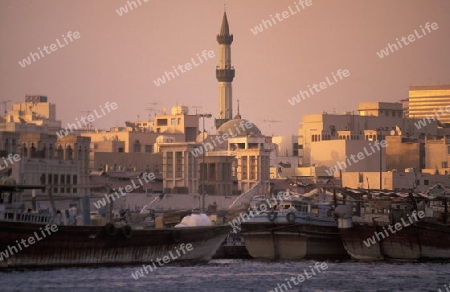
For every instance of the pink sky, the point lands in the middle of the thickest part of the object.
(117, 57)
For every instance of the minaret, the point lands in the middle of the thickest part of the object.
(225, 74)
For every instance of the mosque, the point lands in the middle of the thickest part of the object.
(234, 160)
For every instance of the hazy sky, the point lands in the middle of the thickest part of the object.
(116, 58)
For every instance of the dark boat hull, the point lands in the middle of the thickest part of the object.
(435, 240)
(94, 245)
(402, 245)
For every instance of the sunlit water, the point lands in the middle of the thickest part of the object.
(236, 275)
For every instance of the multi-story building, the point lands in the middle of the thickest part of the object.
(426, 101)
(35, 114)
(28, 132)
(327, 139)
(136, 147)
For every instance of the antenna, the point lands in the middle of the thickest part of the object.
(152, 108)
(196, 108)
(89, 124)
(5, 102)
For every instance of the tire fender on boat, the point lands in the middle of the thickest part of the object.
(290, 217)
(127, 231)
(272, 215)
(176, 235)
(110, 229)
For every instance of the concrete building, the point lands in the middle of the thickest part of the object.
(35, 114)
(180, 168)
(380, 109)
(28, 134)
(136, 147)
(46, 159)
(395, 181)
(327, 139)
(284, 158)
(427, 100)
(404, 153)
(437, 153)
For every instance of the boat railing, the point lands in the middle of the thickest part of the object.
(35, 218)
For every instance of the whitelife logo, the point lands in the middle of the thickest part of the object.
(281, 16)
(355, 158)
(185, 248)
(411, 38)
(318, 267)
(10, 250)
(322, 85)
(188, 66)
(257, 210)
(90, 118)
(11, 158)
(380, 235)
(37, 56)
(429, 118)
(128, 189)
(124, 9)
(219, 139)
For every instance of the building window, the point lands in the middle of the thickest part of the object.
(55, 182)
(448, 150)
(426, 182)
(121, 150)
(59, 152)
(42, 179)
(173, 122)
(161, 122)
(69, 153)
(68, 183)
(148, 148)
(74, 182)
(137, 146)
(63, 182)
(444, 164)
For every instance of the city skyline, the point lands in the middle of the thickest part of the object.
(106, 56)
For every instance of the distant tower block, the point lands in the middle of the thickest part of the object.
(225, 74)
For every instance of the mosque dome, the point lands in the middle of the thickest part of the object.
(239, 127)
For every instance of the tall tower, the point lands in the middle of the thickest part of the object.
(225, 74)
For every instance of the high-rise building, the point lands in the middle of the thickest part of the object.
(427, 101)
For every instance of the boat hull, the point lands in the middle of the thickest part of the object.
(400, 246)
(434, 239)
(94, 245)
(292, 241)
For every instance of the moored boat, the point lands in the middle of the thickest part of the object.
(103, 245)
(32, 240)
(297, 229)
(394, 226)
